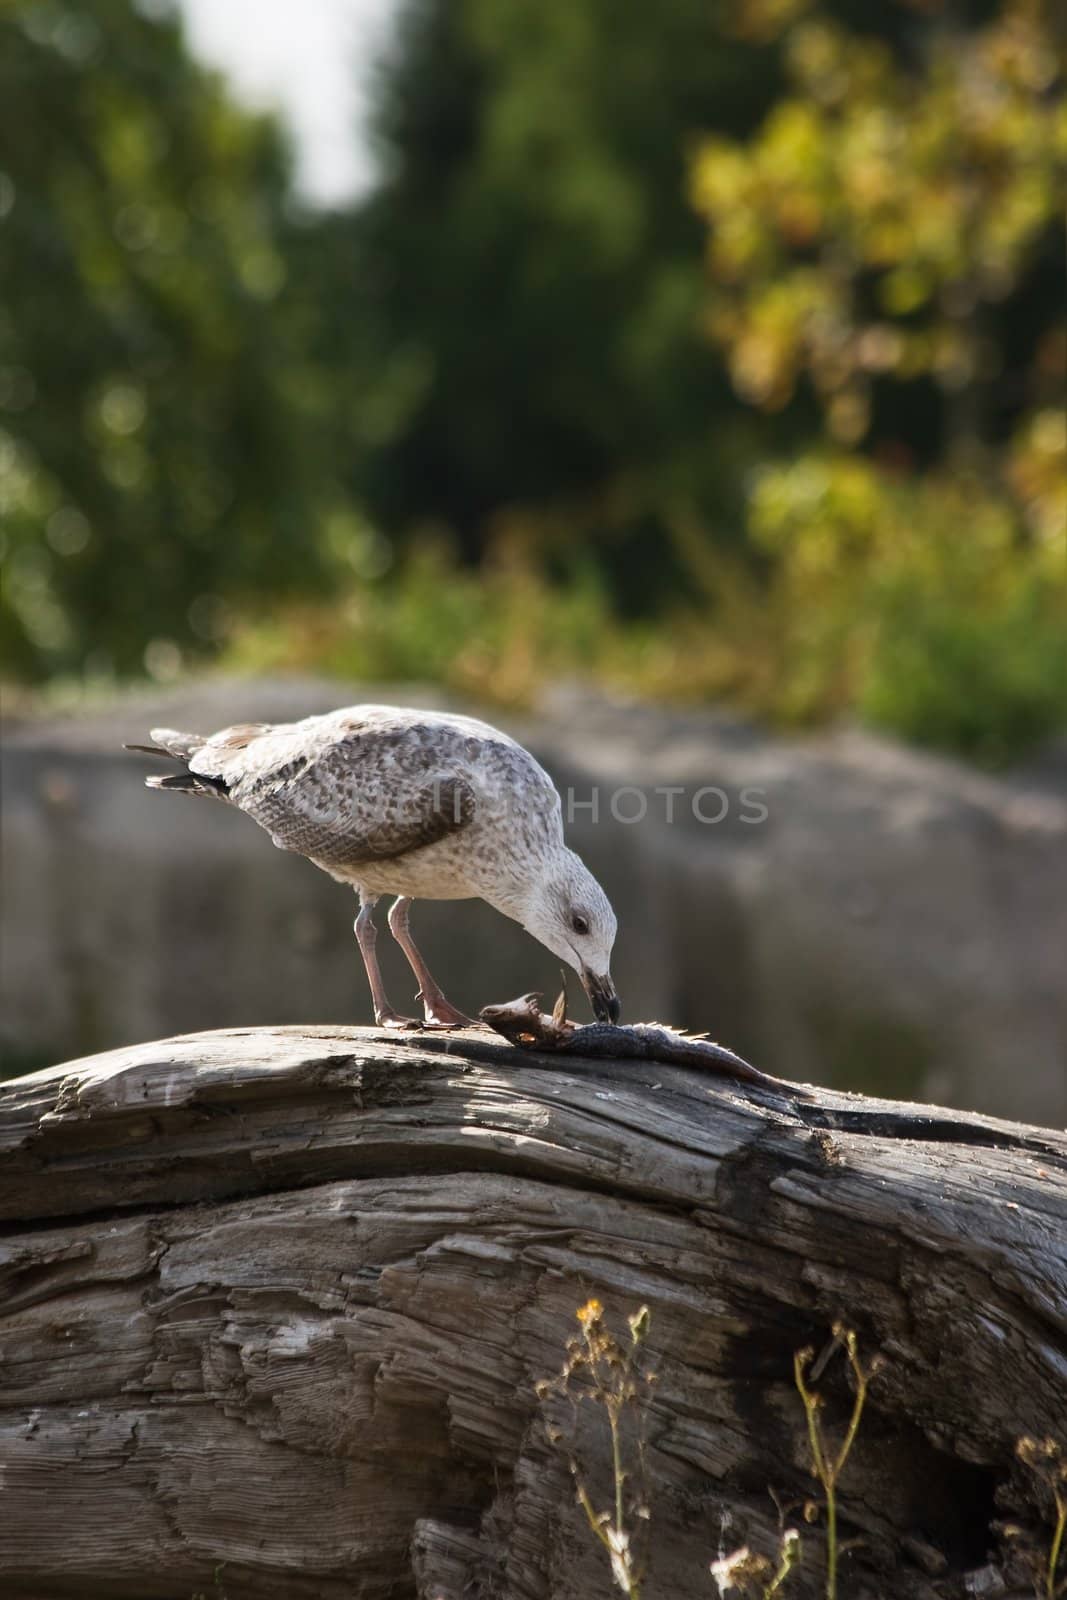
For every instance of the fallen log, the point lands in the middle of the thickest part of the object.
(274, 1306)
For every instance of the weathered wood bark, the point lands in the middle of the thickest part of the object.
(273, 1306)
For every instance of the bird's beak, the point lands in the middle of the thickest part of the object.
(602, 996)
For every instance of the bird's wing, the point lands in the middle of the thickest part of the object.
(371, 795)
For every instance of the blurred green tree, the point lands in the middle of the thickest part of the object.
(889, 245)
(891, 239)
(531, 276)
(157, 419)
(531, 269)
(725, 343)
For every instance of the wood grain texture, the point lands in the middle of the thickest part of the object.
(273, 1305)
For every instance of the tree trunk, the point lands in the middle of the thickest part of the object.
(275, 1305)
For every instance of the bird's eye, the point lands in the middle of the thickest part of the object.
(579, 924)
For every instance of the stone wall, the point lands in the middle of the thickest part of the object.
(891, 910)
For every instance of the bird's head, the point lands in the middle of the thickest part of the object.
(570, 914)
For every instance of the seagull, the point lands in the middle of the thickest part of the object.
(417, 804)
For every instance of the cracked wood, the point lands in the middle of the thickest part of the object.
(273, 1305)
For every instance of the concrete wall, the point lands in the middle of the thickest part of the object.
(895, 923)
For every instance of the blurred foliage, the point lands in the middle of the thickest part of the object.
(914, 601)
(495, 633)
(867, 235)
(157, 450)
(891, 240)
(710, 350)
(530, 284)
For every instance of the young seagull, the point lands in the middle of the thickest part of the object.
(416, 804)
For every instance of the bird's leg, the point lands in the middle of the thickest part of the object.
(439, 1012)
(367, 934)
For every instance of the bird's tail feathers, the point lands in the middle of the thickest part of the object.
(179, 745)
(152, 750)
(189, 783)
(174, 746)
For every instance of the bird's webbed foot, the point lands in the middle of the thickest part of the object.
(441, 1013)
(388, 1018)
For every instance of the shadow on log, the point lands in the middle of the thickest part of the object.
(273, 1306)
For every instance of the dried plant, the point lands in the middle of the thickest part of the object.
(827, 1464)
(753, 1576)
(1047, 1461)
(602, 1370)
